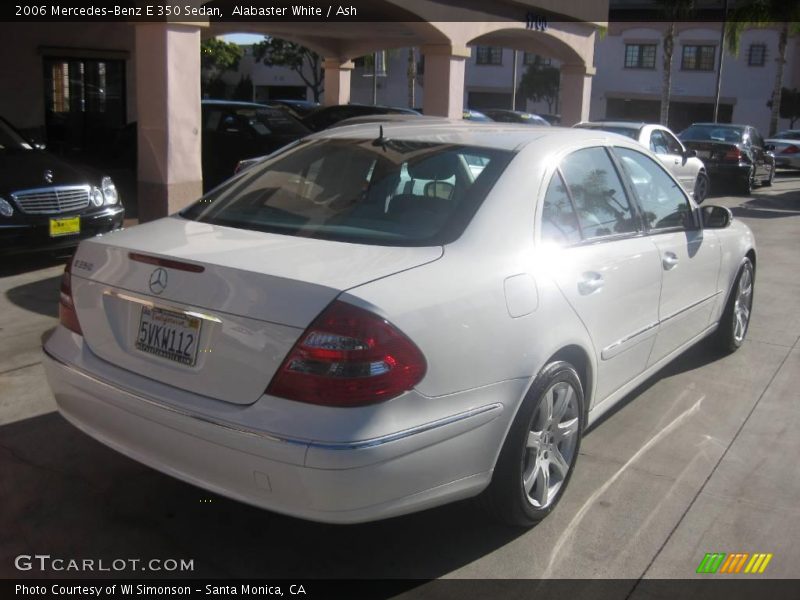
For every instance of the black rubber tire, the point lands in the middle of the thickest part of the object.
(505, 498)
(747, 184)
(707, 187)
(725, 339)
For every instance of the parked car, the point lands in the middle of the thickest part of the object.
(785, 147)
(382, 118)
(300, 107)
(474, 115)
(515, 116)
(731, 153)
(234, 130)
(318, 338)
(682, 163)
(328, 115)
(47, 203)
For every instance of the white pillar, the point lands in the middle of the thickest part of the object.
(575, 93)
(444, 80)
(170, 171)
(337, 81)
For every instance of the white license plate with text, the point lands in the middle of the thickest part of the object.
(169, 335)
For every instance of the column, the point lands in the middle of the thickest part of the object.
(170, 169)
(443, 90)
(575, 93)
(337, 80)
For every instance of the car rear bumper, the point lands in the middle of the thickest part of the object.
(337, 481)
(34, 234)
(720, 171)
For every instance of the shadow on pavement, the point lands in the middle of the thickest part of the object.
(73, 497)
(39, 296)
(775, 206)
(25, 263)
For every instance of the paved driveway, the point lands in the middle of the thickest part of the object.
(701, 458)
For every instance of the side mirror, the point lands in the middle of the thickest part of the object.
(716, 217)
(689, 153)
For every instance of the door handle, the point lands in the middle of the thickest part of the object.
(591, 283)
(677, 161)
(669, 260)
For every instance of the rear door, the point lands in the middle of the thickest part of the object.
(670, 153)
(609, 271)
(689, 257)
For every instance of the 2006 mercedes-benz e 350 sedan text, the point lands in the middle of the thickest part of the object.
(381, 319)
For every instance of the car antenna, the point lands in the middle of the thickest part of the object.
(380, 141)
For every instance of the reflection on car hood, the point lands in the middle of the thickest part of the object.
(25, 169)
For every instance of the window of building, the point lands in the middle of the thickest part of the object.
(531, 58)
(489, 55)
(698, 58)
(756, 55)
(640, 56)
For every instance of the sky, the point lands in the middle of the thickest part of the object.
(243, 38)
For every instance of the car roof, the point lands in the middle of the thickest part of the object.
(726, 125)
(623, 124)
(215, 102)
(503, 136)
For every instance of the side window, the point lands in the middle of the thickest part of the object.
(673, 145)
(657, 143)
(559, 223)
(600, 201)
(661, 199)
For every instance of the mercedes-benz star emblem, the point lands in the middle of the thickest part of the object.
(48, 176)
(158, 281)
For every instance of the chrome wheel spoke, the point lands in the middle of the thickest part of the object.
(530, 478)
(559, 462)
(562, 402)
(567, 429)
(534, 442)
(541, 488)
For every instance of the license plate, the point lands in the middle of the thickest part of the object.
(168, 334)
(68, 226)
(704, 154)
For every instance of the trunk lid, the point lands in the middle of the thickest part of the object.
(211, 309)
(713, 152)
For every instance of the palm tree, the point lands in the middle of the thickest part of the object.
(783, 14)
(671, 11)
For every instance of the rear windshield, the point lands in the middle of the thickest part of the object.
(260, 121)
(712, 133)
(382, 192)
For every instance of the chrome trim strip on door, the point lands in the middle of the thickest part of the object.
(690, 307)
(621, 345)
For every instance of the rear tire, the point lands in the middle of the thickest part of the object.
(768, 181)
(702, 187)
(747, 183)
(735, 320)
(540, 450)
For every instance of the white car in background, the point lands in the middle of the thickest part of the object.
(369, 324)
(681, 162)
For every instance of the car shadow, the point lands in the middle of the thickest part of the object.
(38, 296)
(769, 207)
(73, 495)
(17, 264)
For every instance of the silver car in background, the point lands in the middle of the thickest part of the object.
(387, 317)
(786, 148)
(680, 161)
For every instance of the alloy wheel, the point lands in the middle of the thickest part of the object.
(551, 444)
(743, 304)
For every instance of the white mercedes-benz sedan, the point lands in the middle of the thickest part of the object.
(387, 317)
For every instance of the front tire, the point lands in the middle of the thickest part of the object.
(736, 318)
(540, 450)
(768, 181)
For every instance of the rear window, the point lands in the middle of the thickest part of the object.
(256, 120)
(384, 192)
(712, 133)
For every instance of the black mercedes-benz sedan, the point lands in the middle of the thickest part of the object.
(732, 154)
(47, 203)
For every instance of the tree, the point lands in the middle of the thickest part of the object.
(790, 105)
(217, 57)
(671, 11)
(782, 14)
(275, 52)
(244, 89)
(540, 82)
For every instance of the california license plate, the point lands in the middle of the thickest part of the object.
(67, 226)
(169, 335)
(703, 154)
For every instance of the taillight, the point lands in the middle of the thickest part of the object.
(348, 357)
(66, 307)
(790, 149)
(733, 154)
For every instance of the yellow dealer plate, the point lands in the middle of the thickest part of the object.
(70, 226)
